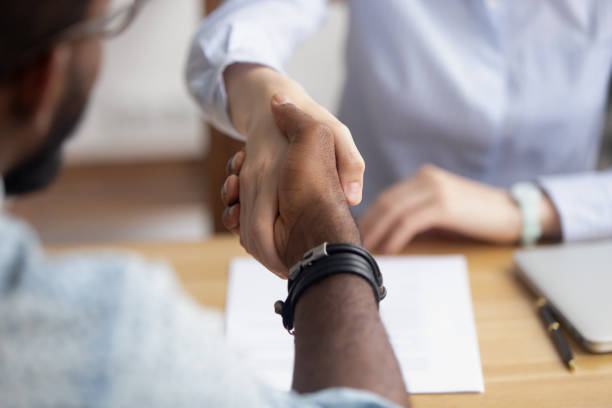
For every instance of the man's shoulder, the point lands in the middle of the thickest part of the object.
(107, 321)
(84, 276)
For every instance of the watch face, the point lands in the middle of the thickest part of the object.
(528, 196)
(525, 191)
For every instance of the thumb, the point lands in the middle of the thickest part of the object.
(290, 120)
(351, 165)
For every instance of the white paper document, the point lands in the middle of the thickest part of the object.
(427, 313)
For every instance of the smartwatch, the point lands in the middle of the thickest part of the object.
(528, 197)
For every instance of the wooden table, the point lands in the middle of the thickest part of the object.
(521, 367)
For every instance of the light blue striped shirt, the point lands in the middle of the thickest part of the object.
(115, 330)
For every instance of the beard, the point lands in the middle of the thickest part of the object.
(40, 168)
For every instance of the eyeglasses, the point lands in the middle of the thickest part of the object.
(122, 13)
(119, 17)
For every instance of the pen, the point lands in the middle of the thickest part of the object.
(553, 328)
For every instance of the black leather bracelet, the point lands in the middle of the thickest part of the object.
(322, 262)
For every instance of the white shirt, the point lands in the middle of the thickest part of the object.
(499, 91)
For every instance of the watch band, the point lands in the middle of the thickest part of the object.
(322, 262)
(528, 197)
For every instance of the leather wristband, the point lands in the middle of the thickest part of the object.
(322, 262)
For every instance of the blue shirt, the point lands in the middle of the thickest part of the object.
(115, 330)
(499, 91)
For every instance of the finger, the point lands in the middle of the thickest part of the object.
(385, 200)
(380, 216)
(258, 210)
(230, 192)
(290, 120)
(388, 211)
(231, 218)
(414, 222)
(234, 164)
(385, 221)
(261, 228)
(248, 193)
(351, 165)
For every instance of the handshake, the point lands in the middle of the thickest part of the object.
(311, 205)
(340, 340)
(291, 188)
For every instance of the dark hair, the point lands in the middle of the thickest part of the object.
(26, 24)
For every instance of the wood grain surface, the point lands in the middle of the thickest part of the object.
(521, 367)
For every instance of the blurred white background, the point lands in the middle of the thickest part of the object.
(135, 168)
(141, 109)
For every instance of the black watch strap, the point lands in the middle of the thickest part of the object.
(322, 262)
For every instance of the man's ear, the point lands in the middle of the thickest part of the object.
(39, 88)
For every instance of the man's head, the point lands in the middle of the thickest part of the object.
(51, 52)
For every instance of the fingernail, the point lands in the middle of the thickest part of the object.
(278, 99)
(354, 187)
(233, 163)
(238, 160)
(353, 191)
(224, 188)
(231, 212)
(228, 167)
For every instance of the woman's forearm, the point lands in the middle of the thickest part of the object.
(250, 88)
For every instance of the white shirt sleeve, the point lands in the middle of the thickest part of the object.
(252, 31)
(584, 203)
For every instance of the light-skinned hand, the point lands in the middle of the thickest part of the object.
(437, 199)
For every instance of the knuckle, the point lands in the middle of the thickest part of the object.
(439, 190)
(319, 131)
(253, 177)
(345, 130)
(442, 205)
(257, 231)
(228, 225)
(262, 175)
(405, 224)
(357, 162)
(228, 166)
(224, 190)
(246, 175)
(227, 219)
(340, 129)
(429, 172)
(434, 178)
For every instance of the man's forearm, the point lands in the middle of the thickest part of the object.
(340, 341)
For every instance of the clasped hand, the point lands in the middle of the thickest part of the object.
(312, 207)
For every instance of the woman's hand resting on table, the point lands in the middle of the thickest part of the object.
(437, 199)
